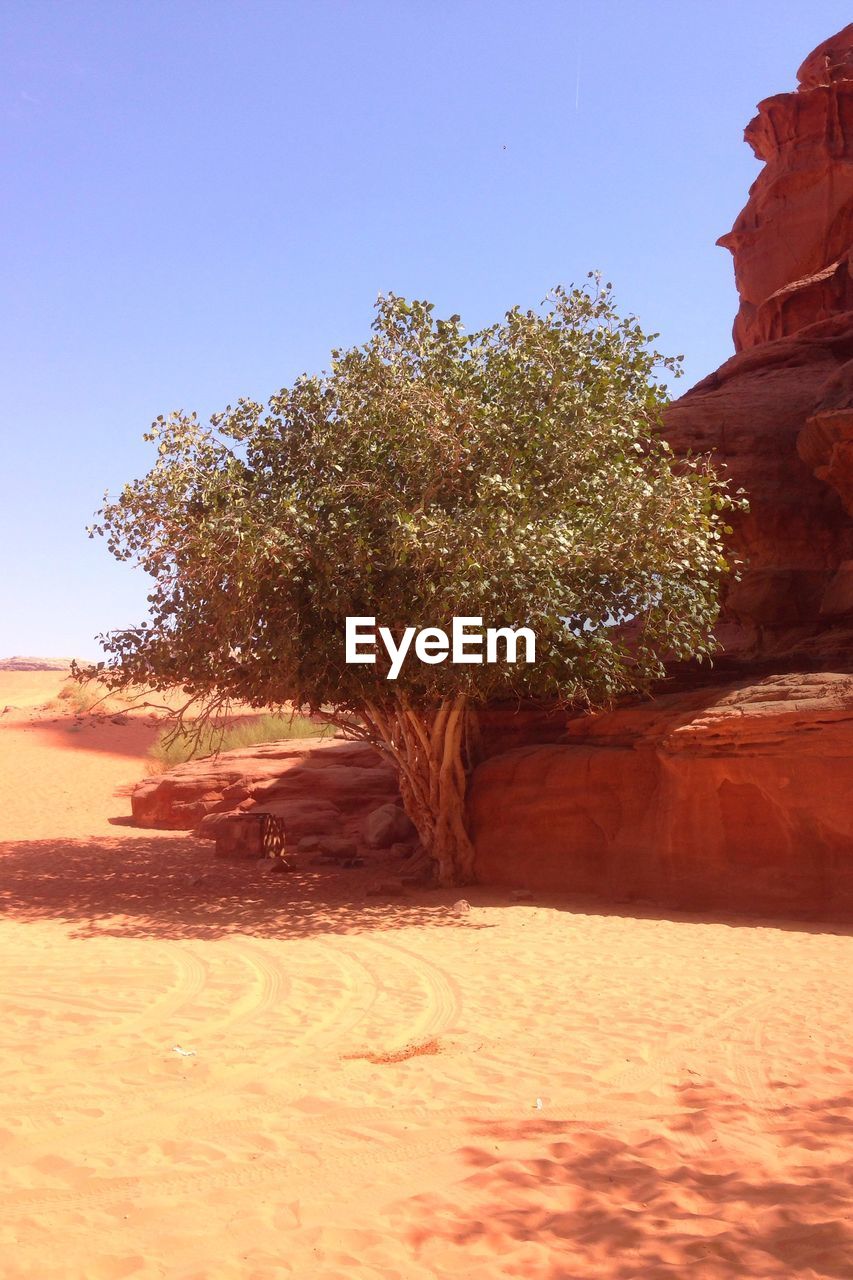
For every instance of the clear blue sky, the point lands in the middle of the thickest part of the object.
(202, 198)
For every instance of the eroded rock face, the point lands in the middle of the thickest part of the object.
(773, 417)
(736, 797)
(778, 416)
(791, 243)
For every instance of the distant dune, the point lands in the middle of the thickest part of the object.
(36, 664)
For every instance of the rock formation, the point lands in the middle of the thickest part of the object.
(779, 414)
(778, 418)
(734, 797)
(738, 794)
(319, 786)
(792, 241)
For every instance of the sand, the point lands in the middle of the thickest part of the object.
(212, 1072)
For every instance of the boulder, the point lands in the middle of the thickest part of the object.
(338, 847)
(736, 797)
(302, 817)
(386, 826)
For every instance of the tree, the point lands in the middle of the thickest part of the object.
(517, 474)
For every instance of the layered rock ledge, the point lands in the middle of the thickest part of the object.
(318, 786)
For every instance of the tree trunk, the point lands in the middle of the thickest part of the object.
(434, 751)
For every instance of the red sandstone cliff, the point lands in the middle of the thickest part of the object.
(779, 414)
(791, 243)
(737, 795)
(779, 418)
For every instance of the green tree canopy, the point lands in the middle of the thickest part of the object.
(516, 473)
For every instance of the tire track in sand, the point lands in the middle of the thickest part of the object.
(357, 985)
(362, 977)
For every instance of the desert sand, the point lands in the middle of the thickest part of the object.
(211, 1072)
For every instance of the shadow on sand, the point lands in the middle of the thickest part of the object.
(592, 1202)
(171, 886)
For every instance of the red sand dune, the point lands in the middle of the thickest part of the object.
(535, 1089)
